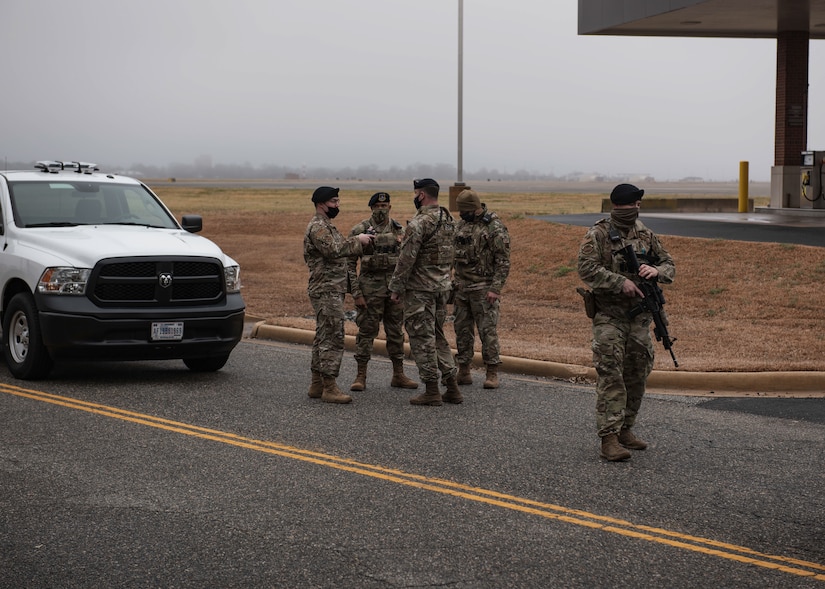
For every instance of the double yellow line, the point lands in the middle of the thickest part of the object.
(547, 510)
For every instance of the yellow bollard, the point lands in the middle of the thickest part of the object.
(743, 187)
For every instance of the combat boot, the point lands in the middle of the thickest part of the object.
(316, 387)
(491, 382)
(360, 382)
(332, 394)
(629, 440)
(399, 379)
(430, 396)
(611, 450)
(464, 376)
(453, 395)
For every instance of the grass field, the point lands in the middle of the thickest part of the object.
(735, 306)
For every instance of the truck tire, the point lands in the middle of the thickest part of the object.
(26, 356)
(208, 364)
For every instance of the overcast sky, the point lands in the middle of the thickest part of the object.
(336, 83)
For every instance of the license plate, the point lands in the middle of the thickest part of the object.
(167, 331)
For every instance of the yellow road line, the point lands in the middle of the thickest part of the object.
(547, 510)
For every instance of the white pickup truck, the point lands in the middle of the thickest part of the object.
(94, 266)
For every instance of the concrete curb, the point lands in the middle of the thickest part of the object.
(691, 383)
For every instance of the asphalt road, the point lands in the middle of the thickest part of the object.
(147, 475)
(764, 227)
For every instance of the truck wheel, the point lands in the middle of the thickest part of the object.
(208, 364)
(26, 356)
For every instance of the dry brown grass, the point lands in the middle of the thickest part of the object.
(735, 306)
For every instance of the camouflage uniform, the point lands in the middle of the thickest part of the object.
(622, 347)
(482, 264)
(377, 266)
(422, 277)
(326, 252)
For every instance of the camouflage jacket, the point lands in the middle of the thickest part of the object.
(604, 271)
(482, 254)
(377, 261)
(326, 252)
(425, 261)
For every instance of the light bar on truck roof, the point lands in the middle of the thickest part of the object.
(55, 166)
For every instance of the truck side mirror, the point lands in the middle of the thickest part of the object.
(192, 223)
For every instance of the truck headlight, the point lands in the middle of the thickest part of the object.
(64, 281)
(232, 275)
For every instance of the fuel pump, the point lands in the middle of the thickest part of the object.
(811, 180)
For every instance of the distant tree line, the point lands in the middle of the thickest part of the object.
(204, 168)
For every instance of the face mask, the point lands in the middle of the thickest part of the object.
(468, 216)
(417, 203)
(332, 212)
(625, 217)
(380, 216)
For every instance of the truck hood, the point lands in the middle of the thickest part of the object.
(84, 245)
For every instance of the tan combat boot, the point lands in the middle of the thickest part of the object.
(628, 439)
(453, 395)
(332, 394)
(316, 387)
(611, 450)
(360, 382)
(491, 382)
(399, 379)
(464, 376)
(430, 396)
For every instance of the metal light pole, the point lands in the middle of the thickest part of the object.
(460, 90)
(456, 189)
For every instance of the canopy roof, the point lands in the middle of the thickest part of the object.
(701, 18)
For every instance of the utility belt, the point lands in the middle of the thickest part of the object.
(617, 308)
(378, 262)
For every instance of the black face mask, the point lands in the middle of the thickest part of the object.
(333, 212)
(625, 217)
(417, 203)
(468, 216)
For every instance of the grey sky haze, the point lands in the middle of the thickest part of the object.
(326, 83)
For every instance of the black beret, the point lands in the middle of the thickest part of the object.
(626, 194)
(323, 194)
(423, 183)
(379, 197)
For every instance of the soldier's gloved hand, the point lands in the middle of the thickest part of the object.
(361, 302)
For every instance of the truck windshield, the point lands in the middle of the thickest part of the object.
(60, 204)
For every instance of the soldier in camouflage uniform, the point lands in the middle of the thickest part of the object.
(326, 252)
(482, 264)
(622, 347)
(422, 279)
(370, 291)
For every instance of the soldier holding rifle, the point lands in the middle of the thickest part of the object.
(622, 346)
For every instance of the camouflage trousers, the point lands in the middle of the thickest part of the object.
(328, 345)
(472, 310)
(623, 359)
(379, 309)
(424, 316)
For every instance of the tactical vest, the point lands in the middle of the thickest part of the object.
(438, 250)
(641, 239)
(470, 252)
(384, 252)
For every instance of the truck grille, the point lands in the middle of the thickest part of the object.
(165, 281)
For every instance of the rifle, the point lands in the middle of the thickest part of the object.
(652, 303)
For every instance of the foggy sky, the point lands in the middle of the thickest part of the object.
(327, 83)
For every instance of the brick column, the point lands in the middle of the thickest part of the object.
(455, 190)
(791, 137)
